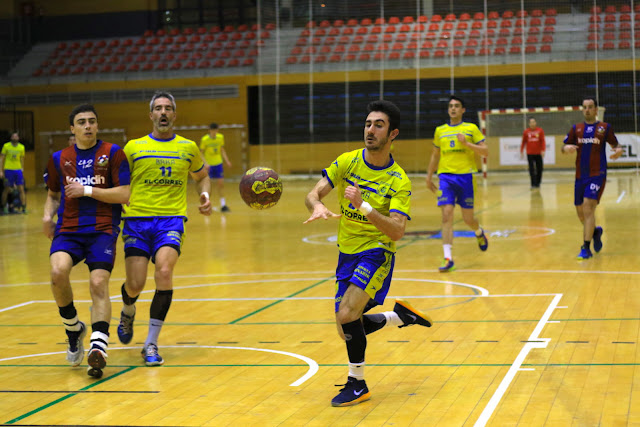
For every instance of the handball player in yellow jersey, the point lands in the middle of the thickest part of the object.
(212, 147)
(374, 196)
(160, 163)
(455, 146)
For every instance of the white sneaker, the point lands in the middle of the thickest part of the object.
(75, 351)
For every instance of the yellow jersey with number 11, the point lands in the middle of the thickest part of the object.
(159, 175)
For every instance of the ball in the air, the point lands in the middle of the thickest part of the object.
(260, 188)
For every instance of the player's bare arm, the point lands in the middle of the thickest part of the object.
(480, 148)
(433, 166)
(225, 157)
(569, 148)
(392, 226)
(314, 204)
(114, 195)
(203, 185)
(50, 210)
(2, 166)
(617, 152)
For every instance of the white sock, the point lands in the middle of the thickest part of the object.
(129, 310)
(392, 319)
(479, 232)
(356, 370)
(72, 324)
(222, 202)
(155, 326)
(447, 251)
(100, 341)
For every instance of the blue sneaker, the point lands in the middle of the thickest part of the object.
(597, 239)
(585, 253)
(125, 328)
(151, 356)
(354, 392)
(447, 265)
(483, 243)
(75, 350)
(411, 316)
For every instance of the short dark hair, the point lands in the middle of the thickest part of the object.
(453, 97)
(213, 126)
(81, 109)
(389, 108)
(162, 94)
(592, 98)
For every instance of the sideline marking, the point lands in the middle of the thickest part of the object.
(534, 341)
(313, 365)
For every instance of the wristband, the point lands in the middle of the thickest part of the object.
(88, 190)
(205, 194)
(365, 208)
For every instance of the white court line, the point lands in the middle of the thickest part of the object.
(313, 365)
(16, 306)
(621, 196)
(330, 273)
(303, 298)
(472, 270)
(516, 365)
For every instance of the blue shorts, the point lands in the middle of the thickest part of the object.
(591, 187)
(215, 171)
(370, 270)
(97, 249)
(14, 177)
(456, 188)
(146, 235)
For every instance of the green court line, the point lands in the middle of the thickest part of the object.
(50, 404)
(279, 301)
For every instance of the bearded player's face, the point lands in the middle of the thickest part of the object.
(163, 115)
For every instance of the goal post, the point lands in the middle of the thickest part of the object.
(504, 128)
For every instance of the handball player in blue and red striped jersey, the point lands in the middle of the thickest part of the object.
(588, 140)
(87, 183)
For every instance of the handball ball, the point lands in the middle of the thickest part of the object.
(260, 188)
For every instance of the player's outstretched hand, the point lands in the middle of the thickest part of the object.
(431, 186)
(617, 152)
(205, 205)
(320, 211)
(73, 189)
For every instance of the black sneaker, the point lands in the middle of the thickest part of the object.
(225, 208)
(354, 392)
(411, 316)
(597, 239)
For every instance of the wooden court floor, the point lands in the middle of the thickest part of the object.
(524, 333)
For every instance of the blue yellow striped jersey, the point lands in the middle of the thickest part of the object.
(455, 157)
(159, 175)
(387, 189)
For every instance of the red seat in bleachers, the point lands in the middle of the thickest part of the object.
(545, 48)
(408, 20)
(499, 51)
(469, 52)
(478, 16)
(515, 50)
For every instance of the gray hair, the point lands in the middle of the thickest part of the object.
(162, 94)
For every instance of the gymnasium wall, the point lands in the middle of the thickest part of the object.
(289, 157)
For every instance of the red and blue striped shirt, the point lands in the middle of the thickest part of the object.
(105, 166)
(591, 158)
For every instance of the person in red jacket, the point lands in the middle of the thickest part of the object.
(533, 139)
